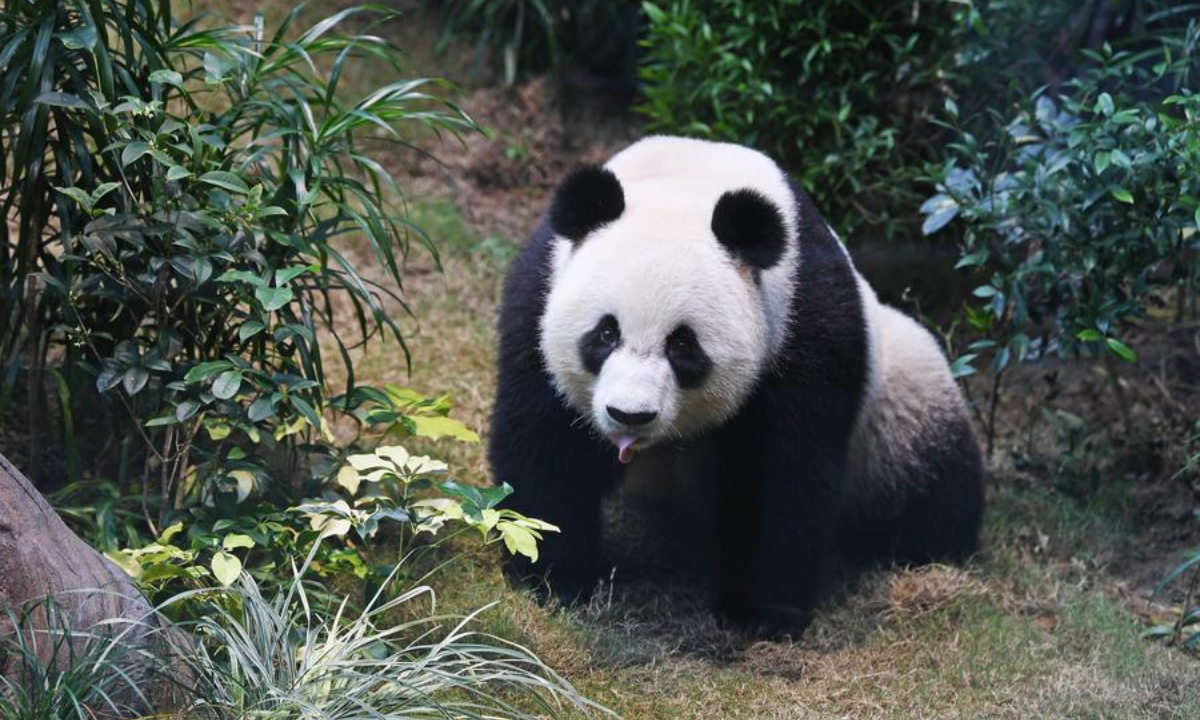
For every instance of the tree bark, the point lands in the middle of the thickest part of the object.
(40, 558)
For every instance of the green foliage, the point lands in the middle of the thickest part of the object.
(1079, 210)
(186, 199)
(285, 654)
(383, 485)
(837, 91)
(1185, 630)
(56, 671)
(340, 531)
(262, 652)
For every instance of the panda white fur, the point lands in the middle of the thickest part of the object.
(685, 311)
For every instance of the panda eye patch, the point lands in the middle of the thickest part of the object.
(598, 343)
(689, 362)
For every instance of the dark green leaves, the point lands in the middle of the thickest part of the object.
(273, 298)
(1079, 208)
(226, 181)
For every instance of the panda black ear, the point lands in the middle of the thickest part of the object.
(750, 227)
(589, 198)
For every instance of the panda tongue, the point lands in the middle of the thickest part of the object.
(624, 445)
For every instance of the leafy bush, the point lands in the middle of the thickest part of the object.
(1080, 210)
(372, 491)
(185, 199)
(837, 91)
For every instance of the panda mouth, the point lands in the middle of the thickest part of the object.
(624, 445)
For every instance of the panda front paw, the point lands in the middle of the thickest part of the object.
(764, 621)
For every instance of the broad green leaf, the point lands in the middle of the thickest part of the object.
(306, 410)
(226, 568)
(261, 409)
(439, 427)
(395, 454)
(962, 367)
(169, 533)
(225, 181)
(123, 560)
(108, 379)
(206, 370)
(233, 541)
(167, 77)
(243, 276)
(1121, 194)
(245, 483)
(133, 152)
(79, 196)
(368, 461)
(518, 540)
(1121, 350)
(186, 409)
(348, 478)
(227, 384)
(273, 298)
(135, 379)
(939, 219)
(177, 172)
(284, 276)
(217, 429)
(250, 328)
(80, 38)
(1101, 161)
(1089, 335)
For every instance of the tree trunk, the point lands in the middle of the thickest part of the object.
(41, 558)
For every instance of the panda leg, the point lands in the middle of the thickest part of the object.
(559, 474)
(778, 512)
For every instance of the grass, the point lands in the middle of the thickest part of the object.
(1032, 628)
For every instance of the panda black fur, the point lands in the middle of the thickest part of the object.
(688, 302)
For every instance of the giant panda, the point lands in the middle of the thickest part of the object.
(685, 311)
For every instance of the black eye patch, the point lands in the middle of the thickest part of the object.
(689, 362)
(598, 343)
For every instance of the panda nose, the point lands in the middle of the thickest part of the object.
(632, 419)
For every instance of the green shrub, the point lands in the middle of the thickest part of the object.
(837, 91)
(1079, 211)
(186, 200)
(388, 488)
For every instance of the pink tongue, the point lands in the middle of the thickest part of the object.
(624, 447)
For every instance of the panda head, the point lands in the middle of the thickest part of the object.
(657, 323)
